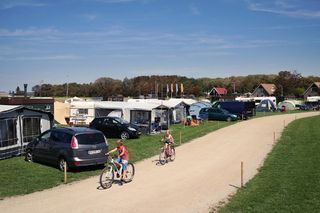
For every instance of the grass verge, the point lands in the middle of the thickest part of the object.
(18, 177)
(289, 180)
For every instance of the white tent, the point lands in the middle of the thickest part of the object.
(290, 105)
(179, 107)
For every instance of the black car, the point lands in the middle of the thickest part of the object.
(77, 146)
(115, 127)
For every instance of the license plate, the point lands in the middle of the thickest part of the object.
(92, 152)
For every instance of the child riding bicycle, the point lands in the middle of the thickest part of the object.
(123, 156)
(168, 140)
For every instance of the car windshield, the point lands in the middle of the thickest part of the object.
(204, 110)
(120, 120)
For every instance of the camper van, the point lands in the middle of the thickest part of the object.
(257, 100)
(242, 109)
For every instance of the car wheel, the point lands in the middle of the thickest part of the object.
(228, 119)
(124, 135)
(29, 156)
(61, 164)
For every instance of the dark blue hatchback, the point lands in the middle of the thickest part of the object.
(76, 146)
(216, 114)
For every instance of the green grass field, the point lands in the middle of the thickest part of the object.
(19, 177)
(289, 180)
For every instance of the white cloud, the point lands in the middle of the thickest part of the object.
(90, 17)
(27, 32)
(42, 58)
(42, 44)
(290, 8)
(9, 4)
(194, 10)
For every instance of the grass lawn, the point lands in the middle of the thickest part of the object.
(19, 177)
(289, 180)
(261, 114)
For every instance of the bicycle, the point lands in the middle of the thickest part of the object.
(111, 170)
(167, 154)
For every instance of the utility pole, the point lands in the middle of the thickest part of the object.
(67, 92)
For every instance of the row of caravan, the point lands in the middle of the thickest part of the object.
(20, 125)
(137, 111)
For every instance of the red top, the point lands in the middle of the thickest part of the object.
(123, 149)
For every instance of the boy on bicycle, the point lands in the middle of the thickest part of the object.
(123, 156)
(168, 140)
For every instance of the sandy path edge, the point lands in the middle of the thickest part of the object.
(202, 175)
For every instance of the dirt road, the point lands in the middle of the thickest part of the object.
(205, 171)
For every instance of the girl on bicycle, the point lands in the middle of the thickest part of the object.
(123, 156)
(168, 140)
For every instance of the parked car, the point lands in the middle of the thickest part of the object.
(312, 105)
(304, 107)
(115, 127)
(216, 114)
(77, 146)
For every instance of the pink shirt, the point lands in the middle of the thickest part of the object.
(122, 149)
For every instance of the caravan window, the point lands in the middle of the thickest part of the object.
(180, 114)
(31, 128)
(140, 116)
(8, 132)
(83, 111)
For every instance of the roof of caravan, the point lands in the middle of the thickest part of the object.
(187, 101)
(10, 108)
(128, 105)
(4, 108)
(84, 104)
(201, 103)
(171, 103)
(116, 105)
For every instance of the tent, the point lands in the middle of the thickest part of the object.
(19, 126)
(178, 107)
(266, 105)
(290, 105)
(196, 107)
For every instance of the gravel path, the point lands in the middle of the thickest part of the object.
(205, 172)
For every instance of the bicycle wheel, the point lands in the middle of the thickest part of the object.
(106, 177)
(162, 157)
(173, 154)
(129, 173)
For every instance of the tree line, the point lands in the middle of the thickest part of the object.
(288, 84)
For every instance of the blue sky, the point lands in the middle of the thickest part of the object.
(62, 41)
